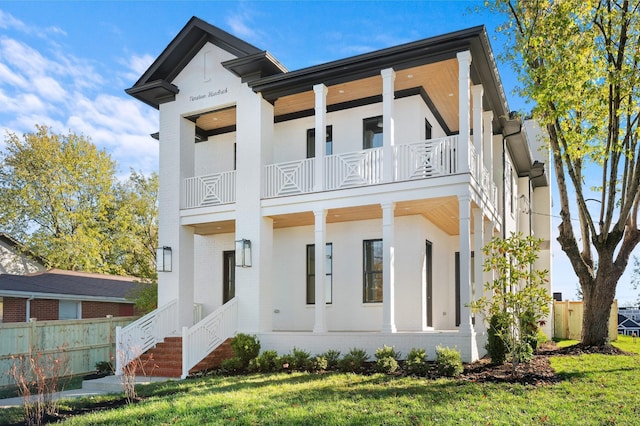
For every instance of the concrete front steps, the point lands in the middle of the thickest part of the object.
(165, 360)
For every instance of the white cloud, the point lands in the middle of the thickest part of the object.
(136, 66)
(240, 26)
(9, 22)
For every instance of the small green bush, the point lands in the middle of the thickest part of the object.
(416, 363)
(301, 360)
(448, 361)
(267, 362)
(245, 347)
(232, 366)
(386, 359)
(496, 347)
(332, 358)
(319, 363)
(387, 352)
(286, 362)
(353, 361)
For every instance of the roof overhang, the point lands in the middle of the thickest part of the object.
(62, 296)
(154, 86)
(405, 56)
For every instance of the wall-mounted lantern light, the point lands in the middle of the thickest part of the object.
(243, 253)
(163, 259)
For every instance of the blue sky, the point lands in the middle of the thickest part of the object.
(66, 64)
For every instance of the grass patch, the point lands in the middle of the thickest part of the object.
(588, 395)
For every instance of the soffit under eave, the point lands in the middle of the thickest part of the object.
(408, 55)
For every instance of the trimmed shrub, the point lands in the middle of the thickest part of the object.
(319, 363)
(232, 366)
(267, 362)
(386, 359)
(286, 362)
(332, 357)
(496, 347)
(353, 361)
(448, 361)
(301, 360)
(416, 363)
(245, 347)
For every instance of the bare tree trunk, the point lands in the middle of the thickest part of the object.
(597, 310)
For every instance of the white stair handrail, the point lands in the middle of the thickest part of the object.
(205, 336)
(144, 333)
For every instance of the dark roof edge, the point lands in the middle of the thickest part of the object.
(184, 46)
(449, 43)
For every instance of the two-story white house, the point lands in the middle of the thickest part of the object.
(384, 173)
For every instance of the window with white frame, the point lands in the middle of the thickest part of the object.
(372, 271)
(311, 274)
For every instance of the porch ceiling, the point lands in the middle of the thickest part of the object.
(443, 212)
(438, 80)
(222, 227)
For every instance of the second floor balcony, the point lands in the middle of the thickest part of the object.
(421, 160)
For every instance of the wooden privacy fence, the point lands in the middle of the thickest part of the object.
(82, 343)
(567, 320)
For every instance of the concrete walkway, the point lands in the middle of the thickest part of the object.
(102, 386)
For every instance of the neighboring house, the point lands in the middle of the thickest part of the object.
(411, 180)
(57, 294)
(629, 321)
(14, 259)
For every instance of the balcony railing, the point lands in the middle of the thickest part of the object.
(293, 177)
(420, 160)
(209, 190)
(353, 169)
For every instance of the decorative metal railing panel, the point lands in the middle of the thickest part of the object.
(209, 190)
(290, 178)
(353, 169)
(144, 333)
(205, 336)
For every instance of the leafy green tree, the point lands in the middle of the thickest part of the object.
(516, 301)
(57, 192)
(579, 62)
(61, 197)
(134, 226)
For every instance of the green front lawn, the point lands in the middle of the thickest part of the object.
(596, 389)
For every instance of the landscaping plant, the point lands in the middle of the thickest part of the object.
(515, 302)
(448, 361)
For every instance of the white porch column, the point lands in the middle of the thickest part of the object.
(478, 243)
(388, 273)
(177, 147)
(320, 325)
(487, 141)
(388, 132)
(254, 137)
(477, 92)
(464, 97)
(320, 91)
(464, 203)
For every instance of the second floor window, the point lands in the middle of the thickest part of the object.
(372, 132)
(428, 128)
(311, 142)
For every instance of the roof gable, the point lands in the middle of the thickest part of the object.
(154, 86)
